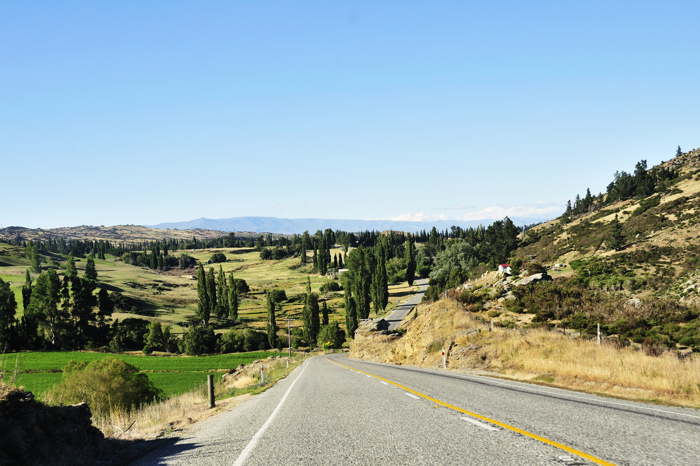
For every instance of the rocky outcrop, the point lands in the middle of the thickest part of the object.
(33, 433)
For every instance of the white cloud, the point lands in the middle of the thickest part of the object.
(540, 210)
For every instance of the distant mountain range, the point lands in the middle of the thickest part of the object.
(299, 225)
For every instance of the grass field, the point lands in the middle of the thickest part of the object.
(39, 371)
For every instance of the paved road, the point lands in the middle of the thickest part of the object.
(337, 410)
(400, 311)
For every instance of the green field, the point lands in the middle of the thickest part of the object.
(39, 371)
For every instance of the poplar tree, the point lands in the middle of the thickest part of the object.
(203, 307)
(32, 253)
(324, 313)
(222, 306)
(211, 290)
(410, 257)
(271, 321)
(232, 298)
(26, 290)
(351, 319)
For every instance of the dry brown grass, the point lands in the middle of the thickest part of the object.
(176, 413)
(535, 355)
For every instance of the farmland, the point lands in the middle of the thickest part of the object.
(39, 371)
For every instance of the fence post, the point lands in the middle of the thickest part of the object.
(600, 339)
(210, 386)
(444, 364)
(262, 374)
(490, 325)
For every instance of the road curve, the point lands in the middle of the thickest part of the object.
(397, 315)
(335, 410)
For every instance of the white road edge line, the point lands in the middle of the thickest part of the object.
(249, 448)
(413, 396)
(384, 382)
(479, 424)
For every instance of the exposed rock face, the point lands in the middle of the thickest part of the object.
(33, 433)
(538, 277)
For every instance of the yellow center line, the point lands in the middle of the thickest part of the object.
(484, 418)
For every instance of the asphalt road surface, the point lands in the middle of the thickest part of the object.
(335, 410)
(401, 310)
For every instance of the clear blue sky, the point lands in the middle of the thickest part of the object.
(145, 112)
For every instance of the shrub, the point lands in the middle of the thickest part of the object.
(278, 295)
(533, 268)
(266, 254)
(106, 385)
(330, 286)
(218, 257)
(331, 336)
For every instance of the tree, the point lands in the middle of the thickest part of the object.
(616, 239)
(90, 270)
(105, 306)
(232, 298)
(679, 152)
(516, 266)
(107, 385)
(83, 304)
(410, 257)
(211, 289)
(324, 313)
(304, 245)
(271, 321)
(222, 305)
(43, 305)
(331, 336)
(203, 306)
(154, 337)
(8, 307)
(26, 290)
(33, 255)
(351, 319)
(71, 271)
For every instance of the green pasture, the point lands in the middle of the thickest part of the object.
(39, 371)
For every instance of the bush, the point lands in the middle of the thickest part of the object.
(331, 336)
(266, 254)
(278, 295)
(186, 261)
(218, 257)
(330, 286)
(106, 385)
(241, 286)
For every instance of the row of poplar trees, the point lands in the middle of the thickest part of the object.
(217, 295)
(366, 283)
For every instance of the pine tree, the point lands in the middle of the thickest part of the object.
(616, 239)
(271, 321)
(232, 298)
(90, 270)
(71, 271)
(203, 306)
(679, 152)
(8, 307)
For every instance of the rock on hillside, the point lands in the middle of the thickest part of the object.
(33, 433)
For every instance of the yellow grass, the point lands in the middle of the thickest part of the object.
(178, 412)
(534, 355)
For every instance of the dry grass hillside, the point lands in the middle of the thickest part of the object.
(118, 233)
(536, 355)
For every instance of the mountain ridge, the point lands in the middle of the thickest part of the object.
(299, 225)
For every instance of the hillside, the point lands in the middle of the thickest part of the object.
(629, 268)
(118, 233)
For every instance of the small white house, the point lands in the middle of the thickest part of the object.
(504, 269)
